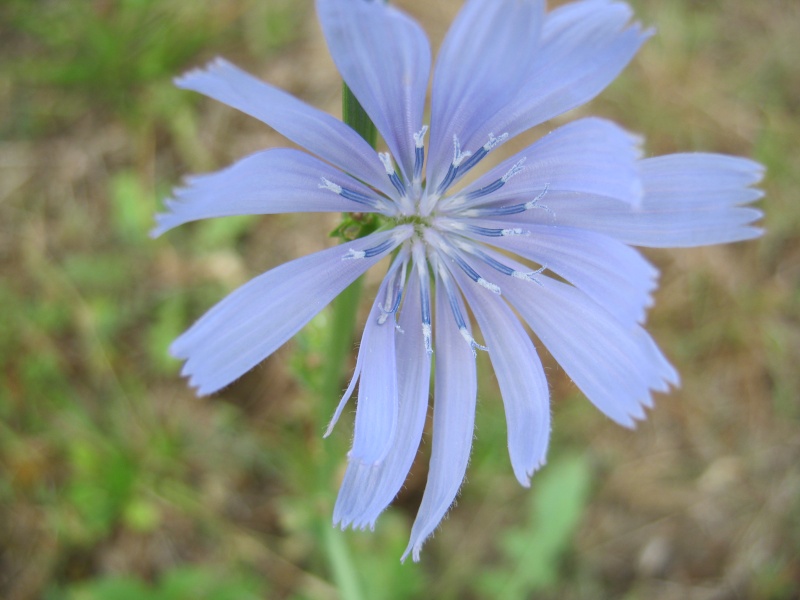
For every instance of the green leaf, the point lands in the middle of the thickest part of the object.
(533, 553)
(132, 205)
(118, 588)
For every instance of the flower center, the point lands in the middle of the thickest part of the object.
(418, 221)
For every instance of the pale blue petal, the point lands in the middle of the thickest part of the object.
(591, 155)
(455, 393)
(615, 366)
(689, 200)
(611, 273)
(523, 384)
(368, 489)
(256, 319)
(480, 67)
(376, 412)
(584, 46)
(269, 182)
(700, 172)
(385, 59)
(399, 261)
(314, 130)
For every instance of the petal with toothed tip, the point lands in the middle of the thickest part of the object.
(689, 200)
(455, 392)
(368, 489)
(615, 366)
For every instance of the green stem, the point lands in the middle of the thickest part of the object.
(354, 115)
(340, 344)
(344, 571)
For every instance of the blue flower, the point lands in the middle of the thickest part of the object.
(572, 204)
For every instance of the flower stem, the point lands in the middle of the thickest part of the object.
(354, 115)
(340, 344)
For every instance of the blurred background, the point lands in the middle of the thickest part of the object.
(116, 482)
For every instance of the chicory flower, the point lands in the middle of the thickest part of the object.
(544, 237)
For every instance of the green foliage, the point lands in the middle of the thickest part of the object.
(533, 552)
(100, 486)
(131, 208)
(117, 53)
(188, 583)
(223, 233)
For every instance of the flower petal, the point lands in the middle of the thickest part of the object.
(689, 200)
(523, 384)
(368, 489)
(385, 59)
(274, 181)
(314, 130)
(455, 393)
(591, 155)
(479, 69)
(615, 366)
(584, 46)
(256, 319)
(376, 412)
(611, 273)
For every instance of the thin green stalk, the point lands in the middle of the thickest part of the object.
(355, 116)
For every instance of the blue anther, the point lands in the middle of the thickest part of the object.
(448, 179)
(380, 248)
(398, 185)
(419, 160)
(473, 160)
(492, 187)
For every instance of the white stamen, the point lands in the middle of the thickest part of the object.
(458, 155)
(386, 159)
(515, 231)
(354, 254)
(533, 203)
(529, 276)
(471, 341)
(489, 286)
(494, 142)
(419, 138)
(327, 184)
(426, 334)
(515, 170)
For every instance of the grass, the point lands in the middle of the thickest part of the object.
(116, 482)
